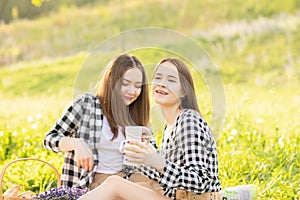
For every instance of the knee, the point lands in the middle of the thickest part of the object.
(113, 180)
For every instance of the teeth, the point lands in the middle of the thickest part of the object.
(161, 92)
(128, 98)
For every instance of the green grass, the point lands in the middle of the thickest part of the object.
(261, 145)
(255, 46)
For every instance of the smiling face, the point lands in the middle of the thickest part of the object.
(131, 85)
(166, 86)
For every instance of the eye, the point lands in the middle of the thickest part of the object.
(157, 77)
(138, 86)
(172, 80)
(125, 83)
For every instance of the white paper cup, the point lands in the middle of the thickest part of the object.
(132, 133)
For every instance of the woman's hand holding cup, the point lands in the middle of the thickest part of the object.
(141, 153)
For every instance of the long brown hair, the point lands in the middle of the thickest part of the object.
(112, 104)
(186, 80)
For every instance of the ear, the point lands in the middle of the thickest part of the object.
(183, 96)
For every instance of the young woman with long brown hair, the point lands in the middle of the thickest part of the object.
(92, 126)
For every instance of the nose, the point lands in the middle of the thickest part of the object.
(131, 90)
(161, 84)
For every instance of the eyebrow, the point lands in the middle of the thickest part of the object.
(169, 76)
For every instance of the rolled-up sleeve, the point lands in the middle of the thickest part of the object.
(150, 172)
(65, 126)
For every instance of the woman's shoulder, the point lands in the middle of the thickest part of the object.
(192, 120)
(86, 103)
(190, 113)
(86, 97)
(192, 116)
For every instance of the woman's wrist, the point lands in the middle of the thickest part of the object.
(68, 143)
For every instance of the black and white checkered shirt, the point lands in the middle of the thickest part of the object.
(191, 158)
(81, 119)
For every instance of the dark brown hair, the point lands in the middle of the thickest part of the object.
(112, 104)
(186, 80)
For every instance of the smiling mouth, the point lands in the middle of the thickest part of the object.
(161, 92)
(128, 98)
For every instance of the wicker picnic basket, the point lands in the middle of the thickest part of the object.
(18, 160)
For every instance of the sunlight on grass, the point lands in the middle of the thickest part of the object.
(254, 45)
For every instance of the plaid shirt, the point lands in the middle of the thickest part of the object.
(81, 119)
(191, 158)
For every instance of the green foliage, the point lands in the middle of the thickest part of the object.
(255, 44)
(61, 35)
(32, 9)
(30, 175)
(44, 78)
(265, 141)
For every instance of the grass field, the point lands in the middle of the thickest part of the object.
(255, 47)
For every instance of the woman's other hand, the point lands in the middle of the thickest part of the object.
(84, 155)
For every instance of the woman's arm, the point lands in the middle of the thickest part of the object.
(61, 137)
(192, 164)
(65, 126)
(196, 166)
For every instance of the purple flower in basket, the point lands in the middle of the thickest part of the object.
(61, 193)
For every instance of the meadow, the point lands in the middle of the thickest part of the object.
(254, 46)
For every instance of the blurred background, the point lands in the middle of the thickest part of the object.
(254, 44)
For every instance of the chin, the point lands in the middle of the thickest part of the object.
(159, 101)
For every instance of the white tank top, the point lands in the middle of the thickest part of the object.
(110, 159)
(167, 134)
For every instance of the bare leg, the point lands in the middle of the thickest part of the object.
(116, 188)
